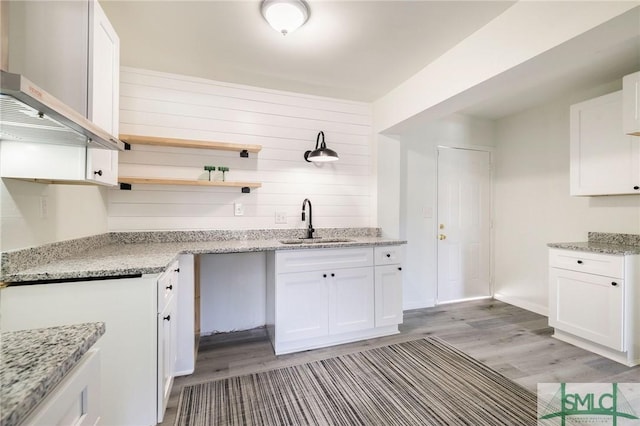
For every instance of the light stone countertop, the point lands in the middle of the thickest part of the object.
(596, 247)
(127, 259)
(33, 362)
(605, 243)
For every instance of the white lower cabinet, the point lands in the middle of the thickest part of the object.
(75, 400)
(323, 297)
(138, 350)
(593, 302)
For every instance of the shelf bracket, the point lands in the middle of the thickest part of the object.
(246, 190)
(244, 153)
(125, 186)
(127, 146)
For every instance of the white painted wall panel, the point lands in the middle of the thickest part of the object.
(285, 124)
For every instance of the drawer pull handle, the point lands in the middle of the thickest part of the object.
(579, 262)
(613, 283)
(169, 287)
(388, 254)
(167, 318)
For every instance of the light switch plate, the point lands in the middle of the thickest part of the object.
(281, 217)
(238, 209)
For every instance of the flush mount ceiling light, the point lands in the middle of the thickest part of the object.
(285, 16)
(321, 154)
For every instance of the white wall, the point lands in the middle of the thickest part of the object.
(285, 124)
(532, 202)
(72, 211)
(511, 39)
(417, 196)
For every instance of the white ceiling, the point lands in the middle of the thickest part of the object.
(359, 49)
(355, 49)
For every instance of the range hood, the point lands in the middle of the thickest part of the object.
(29, 114)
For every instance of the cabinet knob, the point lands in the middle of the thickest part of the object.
(388, 254)
(99, 173)
(169, 287)
(636, 187)
(324, 275)
(399, 269)
(333, 275)
(579, 262)
(177, 270)
(167, 318)
(613, 283)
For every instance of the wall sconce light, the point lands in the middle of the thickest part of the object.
(321, 154)
(285, 16)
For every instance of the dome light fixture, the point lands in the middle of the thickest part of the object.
(285, 16)
(321, 154)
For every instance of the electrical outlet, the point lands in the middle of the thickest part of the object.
(281, 217)
(238, 209)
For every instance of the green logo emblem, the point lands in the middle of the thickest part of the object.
(586, 403)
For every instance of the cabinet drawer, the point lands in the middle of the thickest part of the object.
(388, 255)
(321, 259)
(593, 263)
(167, 286)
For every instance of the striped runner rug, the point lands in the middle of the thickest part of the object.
(420, 382)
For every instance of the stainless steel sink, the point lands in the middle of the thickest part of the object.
(316, 241)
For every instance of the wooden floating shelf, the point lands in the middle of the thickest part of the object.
(189, 143)
(126, 182)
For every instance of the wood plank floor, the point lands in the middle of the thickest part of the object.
(511, 340)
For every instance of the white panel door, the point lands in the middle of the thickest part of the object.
(587, 305)
(603, 160)
(464, 208)
(351, 305)
(104, 92)
(301, 306)
(388, 295)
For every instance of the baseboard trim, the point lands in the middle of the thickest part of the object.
(429, 303)
(521, 303)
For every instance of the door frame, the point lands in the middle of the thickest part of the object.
(436, 230)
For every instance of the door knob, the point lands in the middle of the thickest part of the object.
(442, 237)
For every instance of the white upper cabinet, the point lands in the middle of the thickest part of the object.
(104, 93)
(631, 99)
(71, 50)
(603, 160)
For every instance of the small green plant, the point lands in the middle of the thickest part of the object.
(223, 170)
(210, 169)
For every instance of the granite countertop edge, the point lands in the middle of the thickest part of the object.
(154, 258)
(597, 247)
(34, 373)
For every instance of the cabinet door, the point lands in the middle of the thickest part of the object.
(104, 92)
(166, 355)
(588, 306)
(350, 300)
(631, 104)
(388, 295)
(301, 306)
(603, 159)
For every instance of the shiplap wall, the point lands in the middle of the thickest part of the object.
(285, 124)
